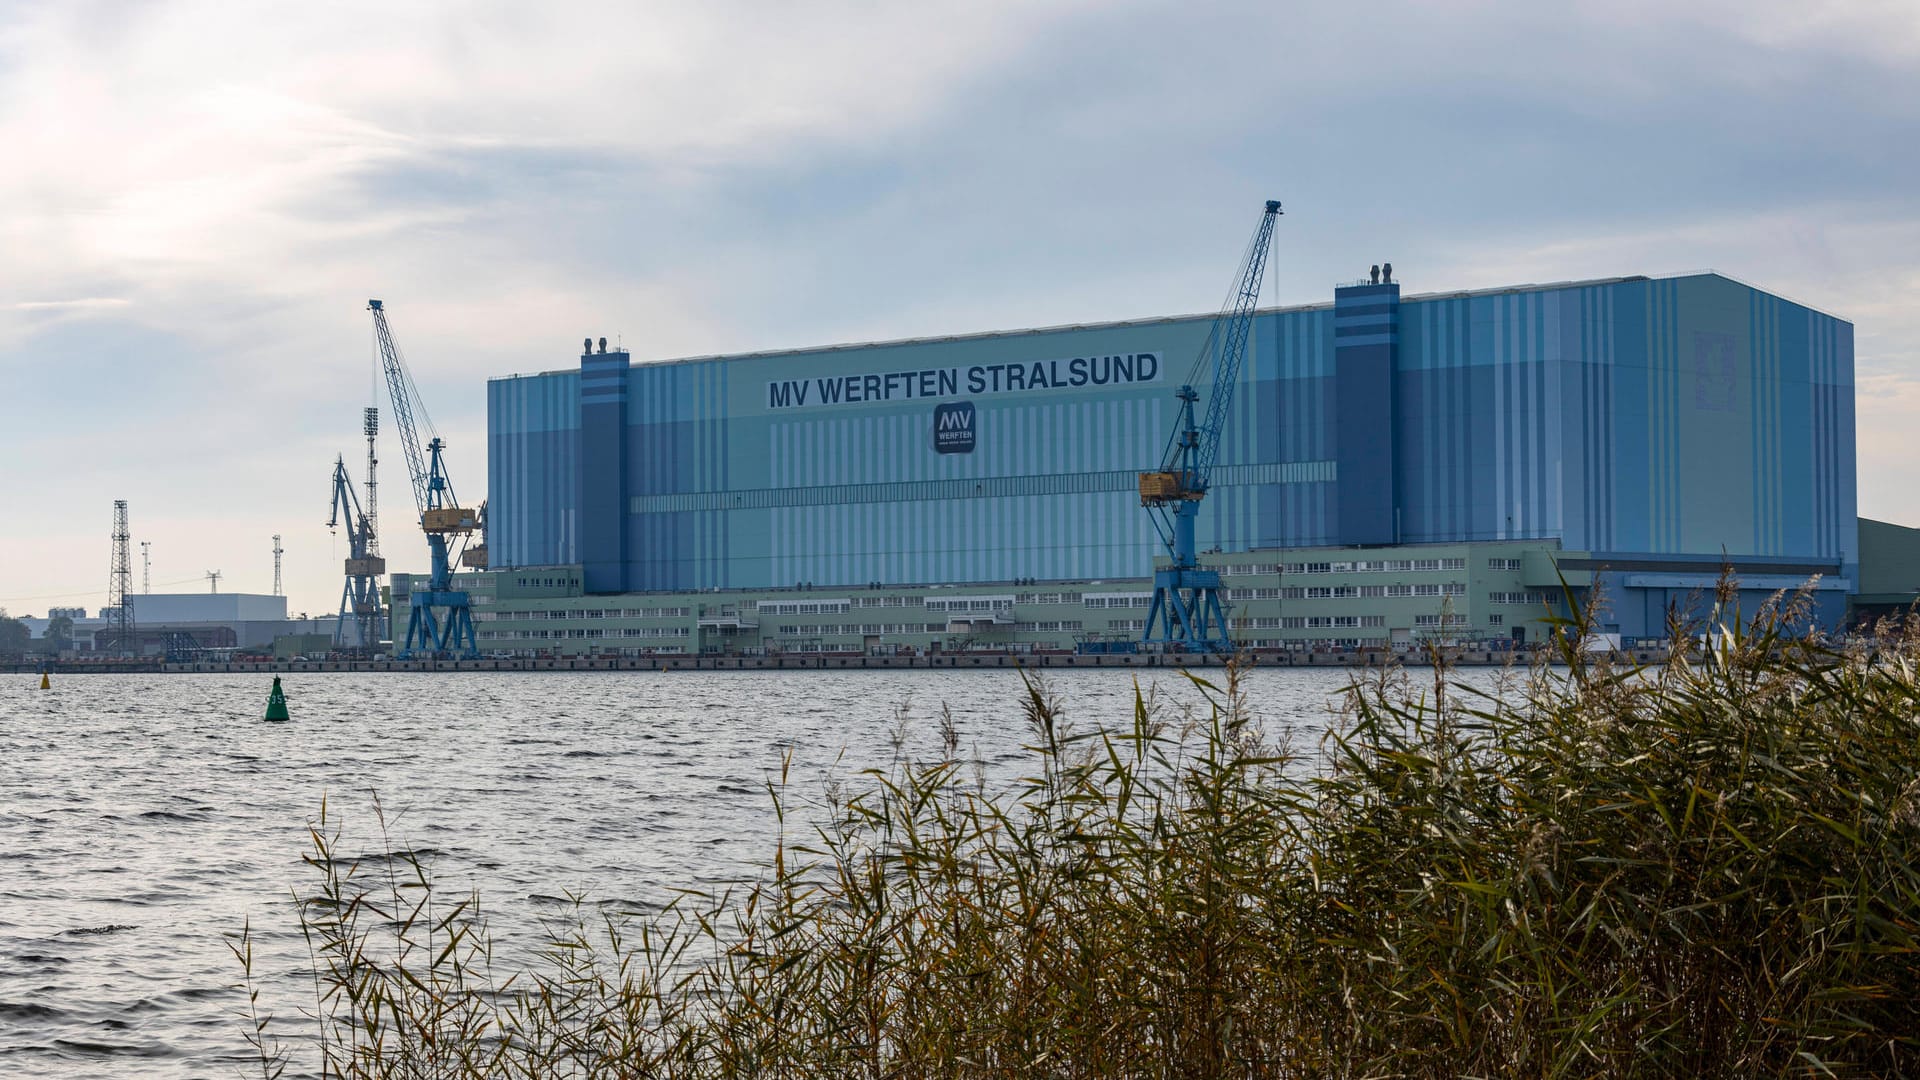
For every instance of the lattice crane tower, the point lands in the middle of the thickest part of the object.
(370, 422)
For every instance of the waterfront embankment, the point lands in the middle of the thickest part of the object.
(804, 662)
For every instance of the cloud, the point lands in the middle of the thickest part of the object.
(196, 201)
(85, 303)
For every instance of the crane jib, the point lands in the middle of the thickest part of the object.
(1187, 610)
(440, 619)
(398, 390)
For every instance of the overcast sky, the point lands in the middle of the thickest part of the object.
(197, 199)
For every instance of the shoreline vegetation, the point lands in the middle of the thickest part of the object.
(1708, 867)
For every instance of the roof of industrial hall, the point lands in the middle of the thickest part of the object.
(986, 335)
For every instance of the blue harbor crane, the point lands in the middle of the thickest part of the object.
(1186, 612)
(440, 622)
(360, 597)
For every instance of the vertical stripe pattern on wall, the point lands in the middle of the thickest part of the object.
(1575, 413)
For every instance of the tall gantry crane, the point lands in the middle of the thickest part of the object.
(1186, 610)
(360, 598)
(441, 617)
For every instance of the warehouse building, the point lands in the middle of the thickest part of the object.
(1394, 468)
(170, 621)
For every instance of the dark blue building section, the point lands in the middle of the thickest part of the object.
(603, 486)
(1366, 335)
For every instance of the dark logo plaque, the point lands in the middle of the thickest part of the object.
(953, 431)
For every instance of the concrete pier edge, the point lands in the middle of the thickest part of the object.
(936, 662)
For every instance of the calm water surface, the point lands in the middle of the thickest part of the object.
(144, 818)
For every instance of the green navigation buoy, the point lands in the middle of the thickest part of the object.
(276, 702)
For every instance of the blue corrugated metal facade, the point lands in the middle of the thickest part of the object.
(1635, 417)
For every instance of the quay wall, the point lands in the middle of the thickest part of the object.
(951, 662)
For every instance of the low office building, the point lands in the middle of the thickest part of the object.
(1488, 595)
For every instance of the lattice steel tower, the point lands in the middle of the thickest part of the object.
(120, 585)
(276, 564)
(370, 421)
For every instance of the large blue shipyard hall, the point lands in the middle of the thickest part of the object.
(1646, 427)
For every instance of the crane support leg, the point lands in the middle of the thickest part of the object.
(440, 622)
(441, 619)
(1186, 611)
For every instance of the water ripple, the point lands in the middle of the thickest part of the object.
(148, 817)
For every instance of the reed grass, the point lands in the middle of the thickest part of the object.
(1704, 868)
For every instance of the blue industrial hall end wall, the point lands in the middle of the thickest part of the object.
(534, 470)
(1653, 417)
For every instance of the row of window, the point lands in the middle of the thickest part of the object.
(588, 632)
(586, 613)
(804, 607)
(1337, 643)
(1120, 600)
(1319, 622)
(1361, 566)
(528, 582)
(831, 629)
(1518, 597)
(882, 601)
(1309, 622)
(971, 603)
(1047, 627)
(1375, 566)
(1340, 622)
(1048, 598)
(1350, 592)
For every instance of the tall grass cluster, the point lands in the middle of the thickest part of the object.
(1706, 868)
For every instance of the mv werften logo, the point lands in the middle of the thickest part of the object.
(953, 428)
